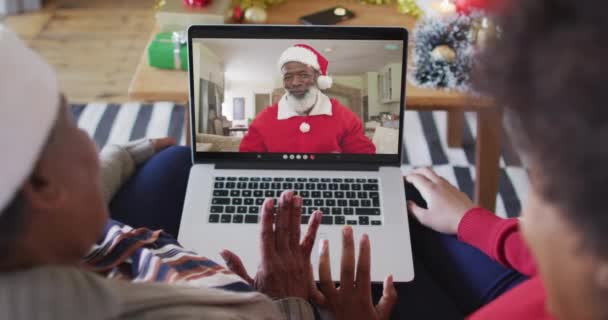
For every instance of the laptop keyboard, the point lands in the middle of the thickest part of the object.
(343, 201)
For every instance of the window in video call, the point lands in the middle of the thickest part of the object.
(297, 96)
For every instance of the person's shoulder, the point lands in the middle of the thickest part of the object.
(141, 301)
(269, 111)
(341, 110)
(337, 106)
(49, 287)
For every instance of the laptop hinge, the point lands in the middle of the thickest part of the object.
(295, 166)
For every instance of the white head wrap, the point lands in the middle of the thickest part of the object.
(29, 102)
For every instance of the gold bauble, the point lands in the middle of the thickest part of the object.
(255, 15)
(443, 53)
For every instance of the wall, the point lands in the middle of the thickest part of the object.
(196, 73)
(393, 107)
(375, 106)
(247, 90)
(209, 67)
(373, 98)
(349, 81)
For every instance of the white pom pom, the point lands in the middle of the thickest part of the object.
(324, 82)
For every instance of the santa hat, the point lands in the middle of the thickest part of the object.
(29, 102)
(308, 55)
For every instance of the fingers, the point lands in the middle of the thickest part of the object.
(364, 282)
(419, 181)
(347, 273)
(418, 212)
(315, 295)
(234, 264)
(311, 233)
(162, 143)
(422, 183)
(388, 300)
(267, 235)
(282, 229)
(327, 285)
(429, 174)
(295, 221)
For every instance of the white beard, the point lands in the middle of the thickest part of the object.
(304, 104)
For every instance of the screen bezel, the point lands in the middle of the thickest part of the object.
(296, 32)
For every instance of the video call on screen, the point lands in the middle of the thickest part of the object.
(246, 100)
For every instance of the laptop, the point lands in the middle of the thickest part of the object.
(316, 110)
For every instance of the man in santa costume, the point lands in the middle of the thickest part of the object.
(305, 120)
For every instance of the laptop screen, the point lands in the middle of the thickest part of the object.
(297, 99)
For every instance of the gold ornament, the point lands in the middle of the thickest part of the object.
(409, 7)
(375, 2)
(255, 15)
(159, 4)
(403, 6)
(256, 3)
(443, 53)
(238, 11)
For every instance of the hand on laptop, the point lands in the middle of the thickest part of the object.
(285, 270)
(353, 299)
(446, 204)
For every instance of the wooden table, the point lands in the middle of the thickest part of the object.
(150, 84)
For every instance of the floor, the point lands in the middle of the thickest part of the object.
(93, 44)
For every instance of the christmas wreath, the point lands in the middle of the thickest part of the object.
(443, 53)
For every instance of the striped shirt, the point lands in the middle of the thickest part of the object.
(143, 255)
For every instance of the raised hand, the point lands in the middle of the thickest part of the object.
(353, 299)
(285, 270)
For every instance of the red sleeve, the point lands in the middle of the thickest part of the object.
(499, 238)
(253, 140)
(355, 141)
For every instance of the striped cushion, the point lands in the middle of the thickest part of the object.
(424, 136)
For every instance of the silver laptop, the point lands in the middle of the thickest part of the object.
(317, 110)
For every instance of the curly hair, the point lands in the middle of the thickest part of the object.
(547, 72)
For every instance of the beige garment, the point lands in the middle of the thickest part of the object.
(71, 293)
(118, 162)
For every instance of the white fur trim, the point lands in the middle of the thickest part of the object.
(324, 82)
(322, 107)
(299, 54)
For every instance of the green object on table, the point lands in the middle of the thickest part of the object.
(168, 51)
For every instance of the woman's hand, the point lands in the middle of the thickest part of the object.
(446, 204)
(285, 270)
(353, 299)
(162, 143)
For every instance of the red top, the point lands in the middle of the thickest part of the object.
(342, 132)
(502, 241)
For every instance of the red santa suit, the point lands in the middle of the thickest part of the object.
(329, 128)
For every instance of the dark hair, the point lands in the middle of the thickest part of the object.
(548, 72)
(12, 221)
